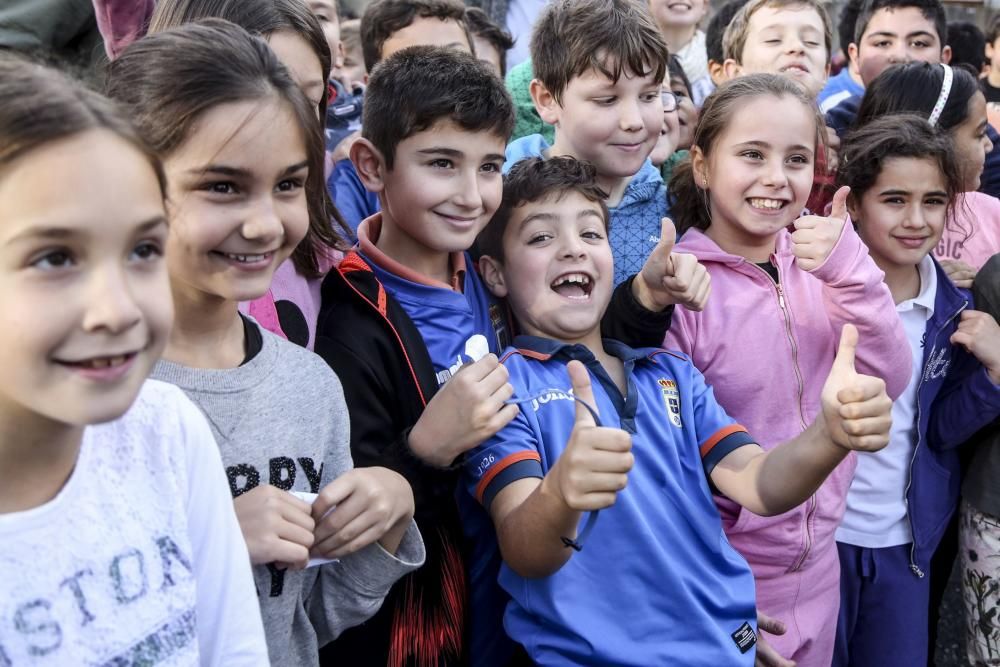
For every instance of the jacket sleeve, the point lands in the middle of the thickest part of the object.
(854, 291)
(628, 321)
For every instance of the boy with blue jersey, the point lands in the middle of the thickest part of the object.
(653, 580)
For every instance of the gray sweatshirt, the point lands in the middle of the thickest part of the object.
(281, 419)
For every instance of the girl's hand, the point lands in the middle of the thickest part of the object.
(362, 506)
(669, 277)
(766, 655)
(979, 334)
(276, 526)
(815, 235)
(959, 272)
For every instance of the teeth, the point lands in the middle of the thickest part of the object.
(246, 258)
(577, 278)
(104, 362)
(770, 204)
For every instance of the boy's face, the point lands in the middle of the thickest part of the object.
(428, 31)
(487, 53)
(613, 125)
(443, 188)
(558, 272)
(896, 35)
(789, 41)
(326, 12)
(993, 54)
(678, 13)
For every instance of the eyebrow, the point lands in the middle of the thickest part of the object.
(238, 172)
(546, 217)
(59, 233)
(764, 144)
(455, 153)
(898, 191)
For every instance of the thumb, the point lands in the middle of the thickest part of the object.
(580, 378)
(848, 346)
(839, 205)
(668, 237)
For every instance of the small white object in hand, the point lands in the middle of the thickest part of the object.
(311, 498)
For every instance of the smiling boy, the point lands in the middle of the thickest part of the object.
(598, 67)
(656, 582)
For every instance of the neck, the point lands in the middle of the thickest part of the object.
(677, 36)
(903, 281)
(398, 245)
(994, 77)
(612, 365)
(207, 333)
(37, 457)
(855, 76)
(615, 186)
(754, 248)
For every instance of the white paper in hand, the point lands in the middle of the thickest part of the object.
(311, 498)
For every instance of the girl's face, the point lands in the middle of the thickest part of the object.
(687, 114)
(669, 134)
(971, 142)
(902, 215)
(85, 308)
(759, 173)
(678, 13)
(302, 63)
(236, 200)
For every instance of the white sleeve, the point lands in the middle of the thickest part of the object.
(230, 631)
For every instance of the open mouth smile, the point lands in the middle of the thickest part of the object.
(576, 286)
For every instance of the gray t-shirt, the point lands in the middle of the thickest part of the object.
(281, 419)
(981, 487)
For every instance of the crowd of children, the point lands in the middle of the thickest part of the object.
(365, 348)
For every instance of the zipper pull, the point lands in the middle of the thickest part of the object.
(781, 297)
(916, 570)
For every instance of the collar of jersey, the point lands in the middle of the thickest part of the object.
(543, 349)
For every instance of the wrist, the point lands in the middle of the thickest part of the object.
(645, 295)
(426, 448)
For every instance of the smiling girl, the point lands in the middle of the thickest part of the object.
(766, 338)
(241, 143)
(119, 540)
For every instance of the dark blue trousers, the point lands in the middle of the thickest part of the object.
(883, 609)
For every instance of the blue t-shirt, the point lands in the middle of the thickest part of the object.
(656, 582)
(838, 88)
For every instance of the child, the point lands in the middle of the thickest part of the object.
(950, 99)
(546, 252)
(980, 514)
(290, 307)
(119, 540)
(968, 46)
(352, 73)
(713, 40)
(991, 82)
(847, 82)
(678, 23)
(490, 40)
(789, 293)
(240, 143)
(904, 176)
(602, 94)
(687, 113)
(410, 328)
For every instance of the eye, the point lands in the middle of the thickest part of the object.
(491, 167)
(881, 44)
(220, 187)
(920, 44)
(592, 235)
(772, 41)
(752, 155)
(441, 163)
(812, 44)
(538, 238)
(650, 96)
(605, 101)
(799, 159)
(52, 260)
(935, 201)
(680, 92)
(147, 251)
(290, 185)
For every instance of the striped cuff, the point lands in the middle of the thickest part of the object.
(520, 465)
(722, 442)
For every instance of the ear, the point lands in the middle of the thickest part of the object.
(338, 57)
(545, 102)
(491, 271)
(946, 55)
(716, 73)
(369, 164)
(699, 167)
(852, 207)
(852, 59)
(731, 69)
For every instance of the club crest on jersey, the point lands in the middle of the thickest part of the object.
(671, 399)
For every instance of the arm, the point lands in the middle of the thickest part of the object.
(855, 415)
(631, 322)
(230, 631)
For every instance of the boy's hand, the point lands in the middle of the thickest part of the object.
(594, 466)
(670, 277)
(856, 409)
(815, 235)
(766, 655)
(979, 334)
(360, 507)
(959, 272)
(276, 526)
(467, 410)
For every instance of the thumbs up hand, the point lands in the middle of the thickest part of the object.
(856, 409)
(670, 277)
(815, 235)
(594, 466)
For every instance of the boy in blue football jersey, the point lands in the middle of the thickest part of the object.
(656, 581)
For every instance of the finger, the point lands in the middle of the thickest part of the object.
(341, 515)
(333, 495)
(580, 378)
(479, 369)
(839, 209)
(847, 349)
(372, 534)
(360, 526)
(668, 236)
(610, 439)
(801, 223)
(609, 461)
(767, 656)
(494, 380)
(290, 554)
(963, 338)
(768, 624)
(860, 427)
(296, 534)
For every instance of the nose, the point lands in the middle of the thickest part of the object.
(774, 174)
(469, 195)
(987, 143)
(914, 218)
(571, 246)
(795, 45)
(112, 306)
(630, 118)
(899, 54)
(263, 223)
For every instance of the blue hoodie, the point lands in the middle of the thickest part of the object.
(635, 221)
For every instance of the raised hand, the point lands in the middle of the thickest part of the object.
(465, 412)
(277, 526)
(362, 506)
(670, 277)
(979, 334)
(815, 235)
(856, 409)
(594, 466)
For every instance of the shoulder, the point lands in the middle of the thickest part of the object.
(297, 366)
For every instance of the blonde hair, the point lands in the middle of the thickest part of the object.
(735, 38)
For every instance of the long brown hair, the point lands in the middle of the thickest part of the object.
(42, 105)
(689, 202)
(171, 79)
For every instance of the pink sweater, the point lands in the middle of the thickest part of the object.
(979, 214)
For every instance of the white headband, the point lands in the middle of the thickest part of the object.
(943, 97)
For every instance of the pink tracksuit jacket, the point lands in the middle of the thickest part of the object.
(766, 349)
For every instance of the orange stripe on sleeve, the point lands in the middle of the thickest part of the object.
(502, 465)
(718, 437)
